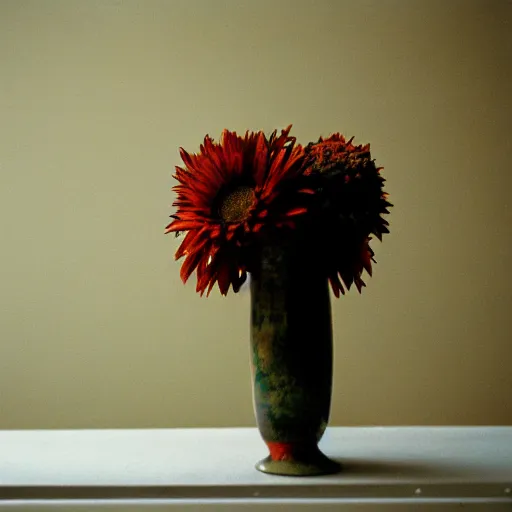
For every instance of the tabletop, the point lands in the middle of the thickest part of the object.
(156, 466)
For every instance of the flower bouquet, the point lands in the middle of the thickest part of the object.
(296, 219)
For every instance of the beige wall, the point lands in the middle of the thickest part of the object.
(96, 329)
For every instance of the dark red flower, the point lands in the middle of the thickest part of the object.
(228, 195)
(349, 201)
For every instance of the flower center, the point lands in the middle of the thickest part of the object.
(235, 205)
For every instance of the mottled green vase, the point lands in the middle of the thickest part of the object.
(291, 350)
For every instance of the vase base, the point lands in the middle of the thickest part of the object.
(315, 464)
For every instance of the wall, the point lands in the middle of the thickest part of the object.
(96, 330)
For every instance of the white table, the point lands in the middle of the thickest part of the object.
(391, 468)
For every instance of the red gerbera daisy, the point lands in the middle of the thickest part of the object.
(228, 194)
(350, 202)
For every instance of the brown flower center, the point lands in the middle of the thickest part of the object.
(236, 204)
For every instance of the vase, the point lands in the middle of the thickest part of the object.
(291, 361)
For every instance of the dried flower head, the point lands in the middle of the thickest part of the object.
(347, 207)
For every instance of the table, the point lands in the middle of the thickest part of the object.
(385, 468)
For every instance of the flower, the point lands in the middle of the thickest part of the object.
(348, 204)
(229, 196)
